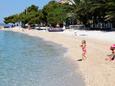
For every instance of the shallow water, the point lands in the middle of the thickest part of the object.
(30, 61)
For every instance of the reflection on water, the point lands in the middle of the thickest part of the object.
(30, 61)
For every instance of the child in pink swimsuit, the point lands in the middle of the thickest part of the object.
(112, 56)
(84, 50)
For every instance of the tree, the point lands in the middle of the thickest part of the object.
(94, 10)
(56, 13)
(30, 15)
(110, 12)
(80, 11)
(11, 19)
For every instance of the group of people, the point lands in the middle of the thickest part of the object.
(110, 57)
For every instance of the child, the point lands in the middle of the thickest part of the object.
(83, 46)
(112, 56)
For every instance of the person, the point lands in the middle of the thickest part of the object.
(112, 55)
(29, 27)
(84, 51)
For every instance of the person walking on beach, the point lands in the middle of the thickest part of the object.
(112, 55)
(83, 46)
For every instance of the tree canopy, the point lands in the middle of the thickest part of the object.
(81, 11)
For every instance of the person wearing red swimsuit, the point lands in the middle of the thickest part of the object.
(84, 50)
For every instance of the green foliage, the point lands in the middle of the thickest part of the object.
(56, 16)
(82, 11)
(31, 15)
(11, 19)
(32, 8)
(110, 12)
(56, 13)
(85, 10)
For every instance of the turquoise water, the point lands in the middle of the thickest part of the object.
(30, 61)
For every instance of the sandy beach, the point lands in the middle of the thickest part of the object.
(95, 70)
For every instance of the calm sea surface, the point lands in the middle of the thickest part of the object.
(30, 61)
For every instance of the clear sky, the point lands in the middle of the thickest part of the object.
(10, 7)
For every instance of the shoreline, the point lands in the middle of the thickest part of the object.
(95, 70)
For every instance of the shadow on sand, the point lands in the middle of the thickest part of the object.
(79, 60)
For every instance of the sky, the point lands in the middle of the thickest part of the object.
(10, 7)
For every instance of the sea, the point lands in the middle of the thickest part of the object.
(31, 61)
